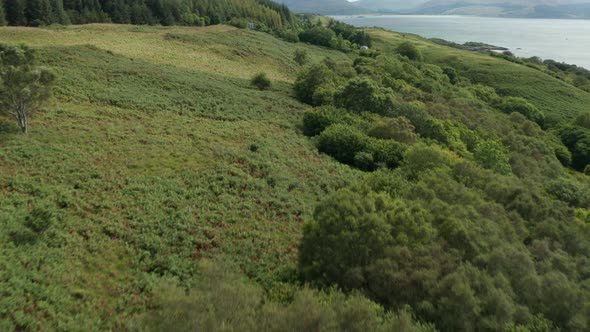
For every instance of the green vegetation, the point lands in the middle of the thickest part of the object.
(466, 188)
(410, 51)
(143, 162)
(265, 13)
(301, 57)
(261, 81)
(23, 87)
(221, 301)
(160, 190)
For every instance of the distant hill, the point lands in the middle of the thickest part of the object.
(503, 8)
(326, 7)
(492, 8)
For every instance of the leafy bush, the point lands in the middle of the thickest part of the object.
(364, 161)
(240, 23)
(343, 143)
(301, 56)
(583, 120)
(410, 51)
(492, 155)
(485, 93)
(310, 80)
(452, 74)
(577, 141)
(522, 106)
(318, 36)
(569, 192)
(398, 128)
(290, 36)
(316, 120)
(386, 152)
(223, 301)
(365, 95)
(261, 81)
(422, 157)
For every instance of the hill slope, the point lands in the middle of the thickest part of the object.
(144, 157)
(553, 96)
(156, 153)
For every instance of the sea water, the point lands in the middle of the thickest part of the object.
(557, 39)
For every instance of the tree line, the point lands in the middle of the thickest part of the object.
(165, 12)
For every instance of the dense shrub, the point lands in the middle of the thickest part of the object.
(577, 140)
(301, 56)
(446, 251)
(485, 93)
(421, 157)
(583, 120)
(290, 36)
(318, 36)
(522, 106)
(386, 152)
(318, 119)
(353, 147)
(223, 301)
(569, 192)
(365, 95)
(452, 74)
(410, 51)
(398, 128)
(261, 81)
(343, 143)
(492, 155)
(311, 80)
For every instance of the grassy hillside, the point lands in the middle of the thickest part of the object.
(554, 97)
(156, 153)
(145, 159)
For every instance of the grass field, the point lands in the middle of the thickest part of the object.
(145, 158)
(157, 152)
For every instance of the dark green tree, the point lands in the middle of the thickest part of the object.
(3, 20)
(365, 95)
(310, 80)
(15, 12)
(38, 12)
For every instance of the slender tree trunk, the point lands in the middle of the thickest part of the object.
(25, 127)
(22, 119)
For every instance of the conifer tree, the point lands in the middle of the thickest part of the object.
(58, 14)
(2, 14)
(15, 12)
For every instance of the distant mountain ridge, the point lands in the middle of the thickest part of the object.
(491, 8)
(503, 8)
(326, 7)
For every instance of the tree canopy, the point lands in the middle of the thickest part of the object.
(165, 12)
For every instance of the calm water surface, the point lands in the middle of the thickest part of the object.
(557, 39)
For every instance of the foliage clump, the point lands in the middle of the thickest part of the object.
(222, 301)
(522, 106)
(301, 57)
(261, 81)
(410, 51)
(24, 87)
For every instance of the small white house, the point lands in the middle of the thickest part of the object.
(364, 48)
(251, 26)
